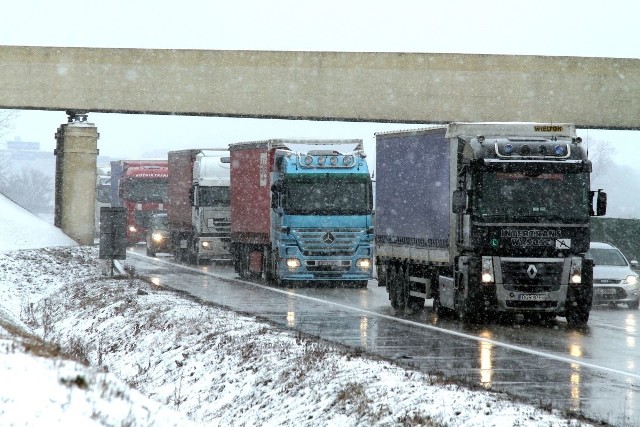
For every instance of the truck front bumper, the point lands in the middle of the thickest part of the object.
(517, 301)
(213, 249)
(326, 269)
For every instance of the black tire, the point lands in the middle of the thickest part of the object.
(414, 303)
(634, 305)
(361, 284)
(150, 252)
(466, 311)
(382, 275)
(578, 306)
(392, 283)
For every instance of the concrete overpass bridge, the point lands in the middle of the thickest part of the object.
(599, 93)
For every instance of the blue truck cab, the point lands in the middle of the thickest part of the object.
(320, 225)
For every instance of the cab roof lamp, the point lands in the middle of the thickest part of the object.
(577, 140)
(560, 150)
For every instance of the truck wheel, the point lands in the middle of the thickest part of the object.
(577, 317)
(361, 284)
(414, 303)
(466, 311)
(150, 252)
(392, 281)
(382, 274)
(578, 306)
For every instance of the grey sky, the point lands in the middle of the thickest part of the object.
(571, 28)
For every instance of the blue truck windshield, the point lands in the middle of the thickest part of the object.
(328, 194)
(555, 196)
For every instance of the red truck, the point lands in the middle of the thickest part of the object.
(140, 186)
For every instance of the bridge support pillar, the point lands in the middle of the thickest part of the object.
(75, 183)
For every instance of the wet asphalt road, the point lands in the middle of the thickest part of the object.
(595, 372)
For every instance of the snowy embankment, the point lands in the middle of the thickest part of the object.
(197, 362)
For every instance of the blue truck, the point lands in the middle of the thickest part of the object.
(488, 219)
(301, 211)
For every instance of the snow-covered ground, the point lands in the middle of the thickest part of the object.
(80, 348)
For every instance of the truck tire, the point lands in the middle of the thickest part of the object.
(414, 303)
(381, 269)
(395, 292)
(578, 306)
(466, 311)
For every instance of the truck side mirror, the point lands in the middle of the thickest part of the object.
(601, 203)
(276, 187)
(459, 201)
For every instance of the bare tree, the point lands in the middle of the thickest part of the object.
(32, 189)
(6, 121)
(601, 155)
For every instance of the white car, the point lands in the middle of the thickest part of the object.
(614, 281)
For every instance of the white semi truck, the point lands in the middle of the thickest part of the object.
(199, 207)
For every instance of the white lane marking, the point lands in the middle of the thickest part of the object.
(407, 322)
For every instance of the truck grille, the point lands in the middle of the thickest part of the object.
(220, 228)
(342, 242)
(517, 276)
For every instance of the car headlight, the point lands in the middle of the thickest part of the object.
(132, 228)
(631, 280)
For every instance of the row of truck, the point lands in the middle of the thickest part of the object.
(483, 218)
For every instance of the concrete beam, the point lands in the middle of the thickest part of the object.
(601, 93)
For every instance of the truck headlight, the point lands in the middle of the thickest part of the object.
(363, 263)
(487, 270)
(132, 228)
(293, 263)
(157, 237)
(206, 244)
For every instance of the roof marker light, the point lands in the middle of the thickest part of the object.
(560, 150)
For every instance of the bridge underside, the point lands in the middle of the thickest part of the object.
(599, 93)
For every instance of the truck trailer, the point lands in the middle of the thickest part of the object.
(488, 219)
(301, 211)
(198, 208)
(140, 186)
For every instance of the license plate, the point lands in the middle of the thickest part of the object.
(532, 297)
(325, 263)
(605, 291)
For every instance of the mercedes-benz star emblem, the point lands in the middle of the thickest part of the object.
(328, 238)
(532, 271)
